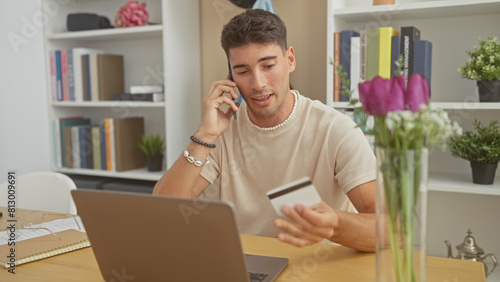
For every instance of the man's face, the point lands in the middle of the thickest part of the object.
(262, 75)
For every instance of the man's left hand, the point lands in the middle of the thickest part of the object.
(308, 225)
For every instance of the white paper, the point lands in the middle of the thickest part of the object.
(57, 225)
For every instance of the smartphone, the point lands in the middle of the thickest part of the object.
(230, 74)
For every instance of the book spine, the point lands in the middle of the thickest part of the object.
(422, 56)
(108, 133)
(86, 157)
(345, 57)
(64, 73)
(53, 77)
(68, 148)
(355, 66)
(57, 143)
(59, 76)
(94, 77)
(102, 146)
(408, 35)
(75, 139)
(86, 78)
(372, 53)
(384, 51)
(395, 51)
(96, 147)
(71, 77)
(336, 78)
(362, 55)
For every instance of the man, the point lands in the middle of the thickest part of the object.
(277, 137)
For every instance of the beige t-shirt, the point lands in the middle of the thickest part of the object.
(318, 142)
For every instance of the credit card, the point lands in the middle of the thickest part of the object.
(300, 191)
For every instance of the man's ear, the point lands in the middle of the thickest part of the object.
(290, 54)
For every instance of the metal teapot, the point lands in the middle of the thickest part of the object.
(468, 250)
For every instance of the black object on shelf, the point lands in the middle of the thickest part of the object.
(86, 21)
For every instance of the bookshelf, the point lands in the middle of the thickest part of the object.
(453, 26)
(153, 54)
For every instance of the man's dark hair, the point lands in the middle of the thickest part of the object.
(253, 26)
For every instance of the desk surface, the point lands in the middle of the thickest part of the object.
(320, 262)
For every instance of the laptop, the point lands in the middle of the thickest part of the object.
(141, 237)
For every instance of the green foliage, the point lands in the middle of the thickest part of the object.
(482, 146)
(152, 145)
(484, 61)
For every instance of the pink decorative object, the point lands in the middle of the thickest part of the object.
(132, 14)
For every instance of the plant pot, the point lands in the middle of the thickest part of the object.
(483, 173)
(155, 163)
(383, 2)
(489, 90)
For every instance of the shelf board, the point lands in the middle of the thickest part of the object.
(461, 183)
(107, 104)
(419, 10)
(111, 33)
(139, 174)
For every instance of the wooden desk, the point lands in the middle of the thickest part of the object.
(319, 262)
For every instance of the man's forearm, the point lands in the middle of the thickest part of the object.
(357, 231)
(181, 178)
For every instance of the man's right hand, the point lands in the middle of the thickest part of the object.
(214, 121)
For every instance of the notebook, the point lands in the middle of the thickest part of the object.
(160, 238)
(41, 247)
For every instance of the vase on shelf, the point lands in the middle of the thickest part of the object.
(489, 90)
(401, 214)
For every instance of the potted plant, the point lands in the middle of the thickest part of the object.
(484, 67)
(481, 148)
(153, 147)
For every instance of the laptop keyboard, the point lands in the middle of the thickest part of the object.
(257, 276)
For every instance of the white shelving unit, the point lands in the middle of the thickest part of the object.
(453, 26)
(165, 52)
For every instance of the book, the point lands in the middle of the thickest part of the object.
(372, 53)
(109, 143)
(102, 147)
(86, 78)
(395, 52)
(45, 246)
(384, 51)
(58, 75)
(355, 67)
(336, 78)
(408, 35)
(143, 97)
(345, 56)
(110, 76)
(64, 74)
(64, 122)
(71, 79)
(96, 146)
(75, 140)
(141, 89)
(78, 70)
(422, 58)
(85, 143)
(127, 135)
(53, 78)
(362, 54)
(68, 147)
(93, 77)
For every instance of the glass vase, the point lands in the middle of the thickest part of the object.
(401, 215)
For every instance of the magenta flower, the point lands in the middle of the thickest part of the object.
(417, 92)
(380, 96)
(132, 14)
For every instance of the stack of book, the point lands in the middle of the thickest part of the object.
(373, 52)
(112, 146)
(142, 93)
(84, 74)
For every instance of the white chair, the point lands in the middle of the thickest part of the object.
(45, 191)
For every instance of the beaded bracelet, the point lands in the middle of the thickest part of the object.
(193, 160)
(201, 142)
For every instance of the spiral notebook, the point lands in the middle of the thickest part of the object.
(41, 247)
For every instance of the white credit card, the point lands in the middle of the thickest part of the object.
(300, 191)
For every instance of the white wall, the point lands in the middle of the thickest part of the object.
(24, 125)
